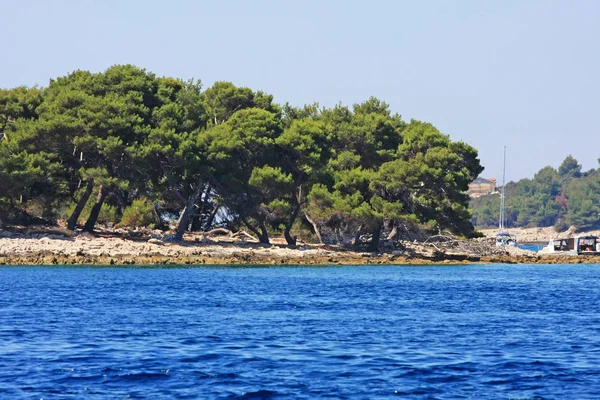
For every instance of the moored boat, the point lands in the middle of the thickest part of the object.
(503, 238)
(581, 245)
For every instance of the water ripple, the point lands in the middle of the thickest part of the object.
(300, 333)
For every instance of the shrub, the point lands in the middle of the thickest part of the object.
(108, 214)
(139, 213)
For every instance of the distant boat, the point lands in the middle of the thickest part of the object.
(503, 238)
(581, 245)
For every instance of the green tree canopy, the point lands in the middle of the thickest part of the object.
(228, 155)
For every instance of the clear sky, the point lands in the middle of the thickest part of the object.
(520, 73)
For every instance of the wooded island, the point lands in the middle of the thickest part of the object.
(561, 197)
(127, 147)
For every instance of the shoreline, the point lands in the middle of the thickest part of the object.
(49, 247)
(41, 260)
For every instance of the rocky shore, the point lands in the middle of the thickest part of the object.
(59, 247)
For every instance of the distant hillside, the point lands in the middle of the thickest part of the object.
(554, 197)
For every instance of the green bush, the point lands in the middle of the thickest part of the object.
(108, 214)
(139, 213)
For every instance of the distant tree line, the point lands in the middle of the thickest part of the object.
(125, 146)
(560, 197)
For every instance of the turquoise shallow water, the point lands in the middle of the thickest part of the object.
(524, 331)
(532, 246)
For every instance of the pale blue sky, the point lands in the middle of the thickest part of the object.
(519, 73)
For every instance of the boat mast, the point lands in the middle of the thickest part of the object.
(502, 193)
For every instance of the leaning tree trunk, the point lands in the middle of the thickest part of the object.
(80, 205)
(288, 227)
(315, 227)
(374, 245)
(211, 217)
(187, 211)
(393, 235)
(297, 203)
(263, 235)
(91, 222)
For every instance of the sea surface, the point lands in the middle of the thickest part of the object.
(365, 332)
(532, 246)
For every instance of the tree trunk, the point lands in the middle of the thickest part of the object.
(263, 235)
(374, 245)
(288, 227)
(178, 195)
(80, 205)
(291, 240)
(91, 222)
(120, 198)
(195, 222)
(339, 234)
(393, 234)
(357, 241)
(156, 214)
(315, 227)
(211, 217)
(186, 212)
(198, 221)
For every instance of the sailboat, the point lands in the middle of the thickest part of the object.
(504, 238)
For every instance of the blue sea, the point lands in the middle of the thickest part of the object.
(531, 246)
(365, 332)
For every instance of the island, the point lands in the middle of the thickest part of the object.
(125, 167)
